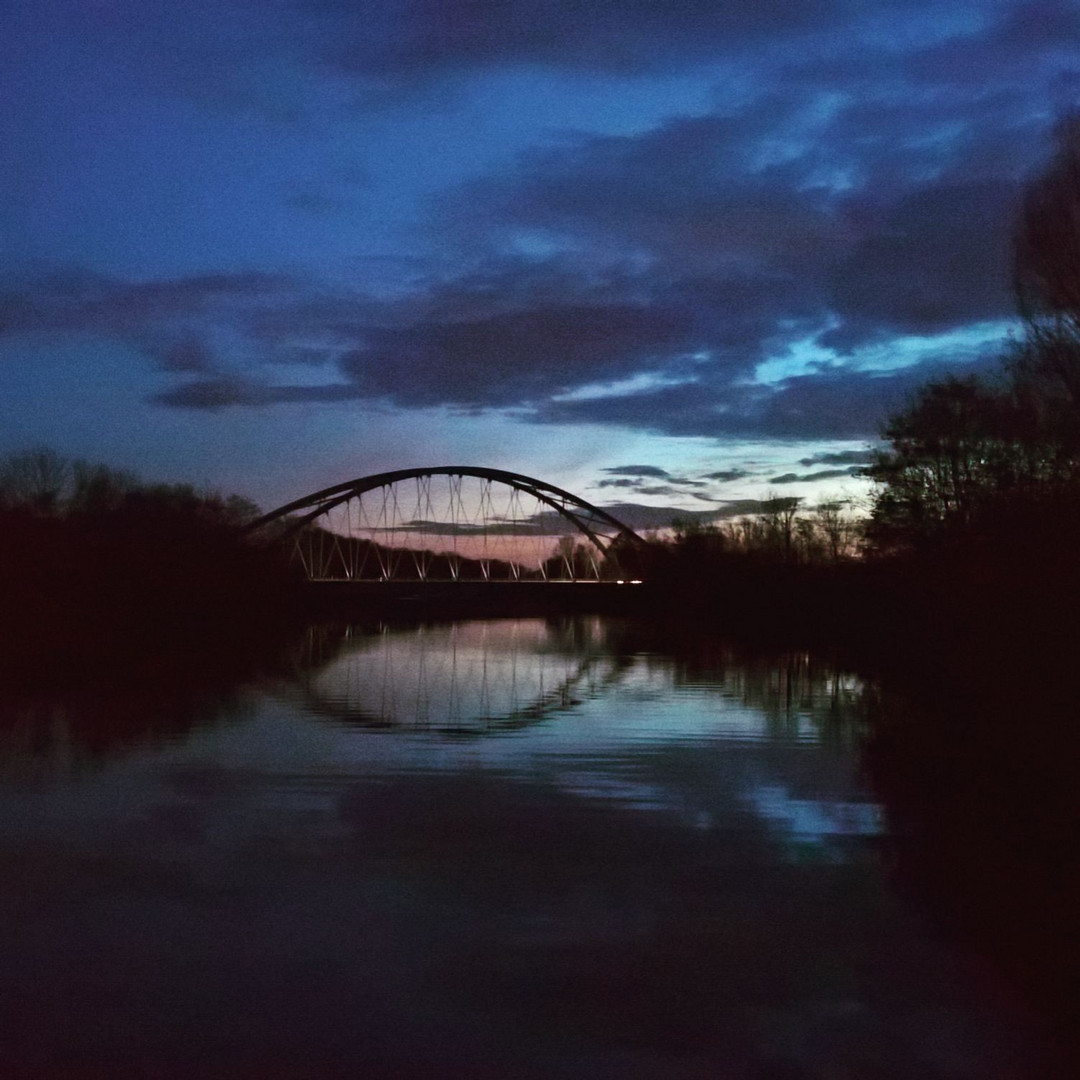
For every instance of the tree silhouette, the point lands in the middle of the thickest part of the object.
(1045, 369)
(968, 455)
(1047, 236)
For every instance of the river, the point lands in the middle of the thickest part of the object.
(505, 848)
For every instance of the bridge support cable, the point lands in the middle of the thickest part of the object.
(476, 525)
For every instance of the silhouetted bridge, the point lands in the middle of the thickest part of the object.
(418, 530)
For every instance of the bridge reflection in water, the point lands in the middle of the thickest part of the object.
(461, 678)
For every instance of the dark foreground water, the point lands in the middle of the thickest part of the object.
(492, 849)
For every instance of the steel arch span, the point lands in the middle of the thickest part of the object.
(453, 523)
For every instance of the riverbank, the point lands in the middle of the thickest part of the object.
(973, 742)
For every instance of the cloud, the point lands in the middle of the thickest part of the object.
(841, 196)
(727, 476)
(937, 260)
(397, 52)
(289, 61)
(188, 355)
(212, 394)
(524, 341)
(640, 470)
(839, 403)
(514, 358)
(222, 392)
(824, 474)
(640, 517)
(1021, 40)
(299, 59)
(874, 223)
(651, 471)
(172, 320)
(395, 44)
(839, 457)
(79, 299)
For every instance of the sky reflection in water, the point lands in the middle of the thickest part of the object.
(509, 848)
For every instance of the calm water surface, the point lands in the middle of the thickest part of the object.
(491, 849)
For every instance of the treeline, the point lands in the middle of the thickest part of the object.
(89, 550)
(978, 490)
(783, 532)
(981, 463)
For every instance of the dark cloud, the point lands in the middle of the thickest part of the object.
(516, 358)
(219, 393)
(937, 260)
(824, 474)
(690, 195)
(839, 457)
(726, 476)
(78, 300)
(264, 60)
(845, 196)
(83, 302)
(188, 355)
(624, 483)
(520, 347)
(641, 518)
(211, 394)
(885, 217)
(843, 404)
(835, 404)
(653, 472)
(1022, 39)
(394, 43)
(640, 470)
(261, 59)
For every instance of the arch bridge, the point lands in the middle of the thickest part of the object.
(453, 523)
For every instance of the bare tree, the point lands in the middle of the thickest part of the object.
(37, 479)
(1046, 241)
(1045, 368)
(833, 527)
(779, 520)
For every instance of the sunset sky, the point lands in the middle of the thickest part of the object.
(656, 252)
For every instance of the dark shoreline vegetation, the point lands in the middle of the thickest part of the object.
(960, 606)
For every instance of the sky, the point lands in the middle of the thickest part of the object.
(660, 253)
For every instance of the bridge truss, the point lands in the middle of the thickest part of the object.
(453, 523)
